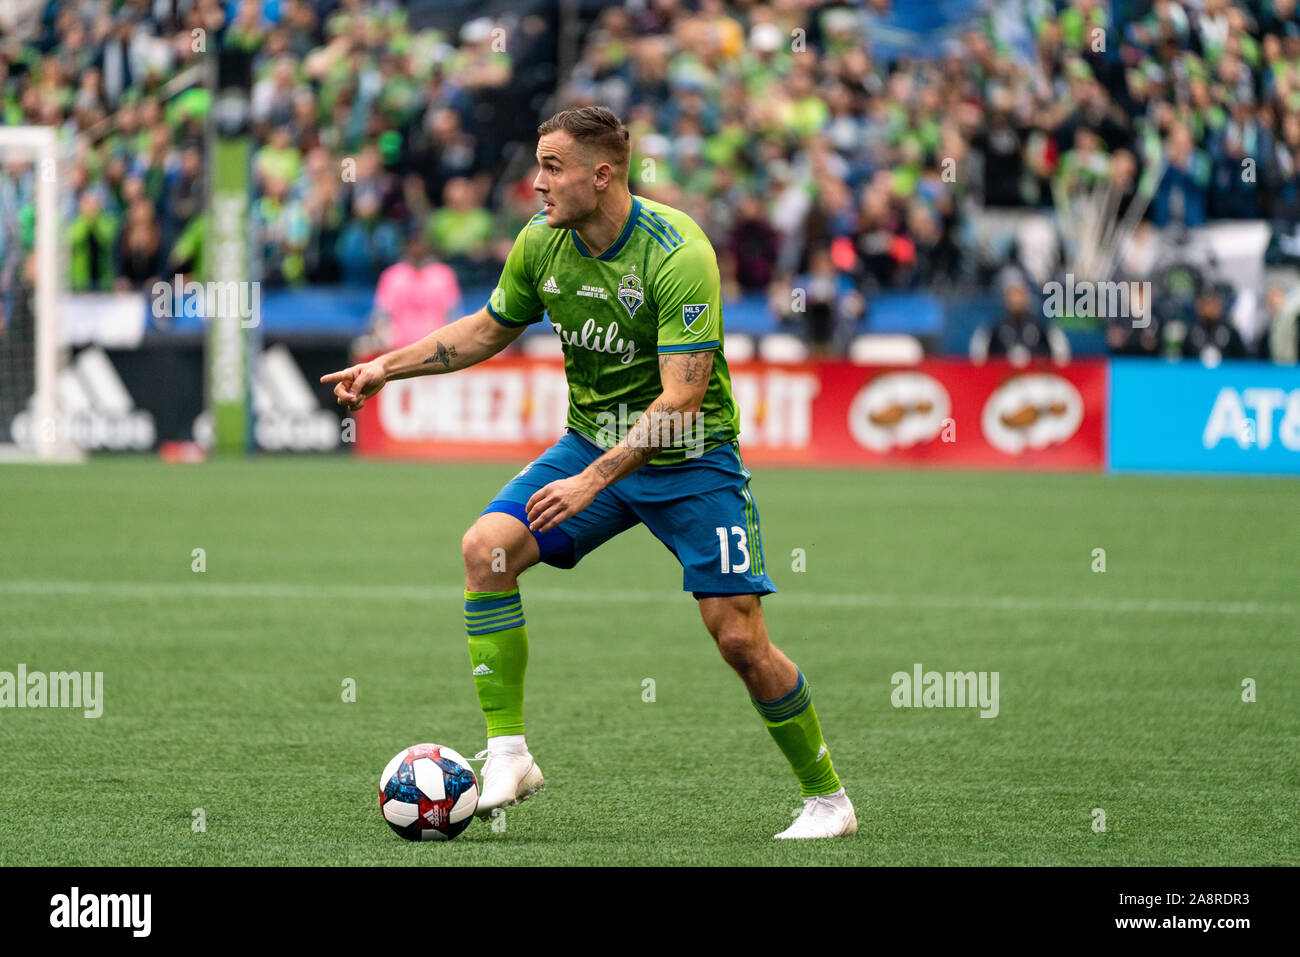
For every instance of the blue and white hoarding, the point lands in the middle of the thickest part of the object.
(1186, 417)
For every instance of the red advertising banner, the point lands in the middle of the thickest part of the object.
(940, 413)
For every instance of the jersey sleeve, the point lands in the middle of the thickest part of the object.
(687, 291)
(514, 301)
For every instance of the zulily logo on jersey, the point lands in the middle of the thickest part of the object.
(598, 339)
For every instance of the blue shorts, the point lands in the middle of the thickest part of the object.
(702, 510)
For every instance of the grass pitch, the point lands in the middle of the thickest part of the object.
(1119, 690)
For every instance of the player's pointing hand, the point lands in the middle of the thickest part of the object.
(356, 384)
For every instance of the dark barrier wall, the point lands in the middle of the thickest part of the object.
(135, 399)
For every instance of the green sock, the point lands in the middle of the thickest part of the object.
(792, 722)
(498, 649)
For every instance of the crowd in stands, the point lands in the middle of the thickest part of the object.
(815, 165)
(364, 133)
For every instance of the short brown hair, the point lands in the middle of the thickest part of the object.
(595, 128)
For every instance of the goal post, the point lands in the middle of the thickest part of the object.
(37, 431)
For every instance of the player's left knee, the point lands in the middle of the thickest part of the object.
(742, 648)
(736, 624)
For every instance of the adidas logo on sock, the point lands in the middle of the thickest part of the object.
(483, 670)
(821, 753)
(550, 286)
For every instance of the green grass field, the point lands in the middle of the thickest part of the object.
(222, 690)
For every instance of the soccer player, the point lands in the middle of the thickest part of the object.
(632, 288)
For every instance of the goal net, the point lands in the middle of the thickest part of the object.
(31, 272)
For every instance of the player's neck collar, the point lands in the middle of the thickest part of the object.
(619, 243)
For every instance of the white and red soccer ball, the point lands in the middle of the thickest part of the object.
(428, 793)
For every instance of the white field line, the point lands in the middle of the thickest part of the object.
(274, 590)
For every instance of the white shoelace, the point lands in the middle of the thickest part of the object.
(485, 756)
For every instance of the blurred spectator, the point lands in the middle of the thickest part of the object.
(139, 251)
(1137, 334)
(279, 159)
(367, 244)
(1284, 328)
(754, 245)
(461, 229)
(281, 223)
(413, 298)
(272, 97)
(1020, 334)
(443, 151)
(92, 239)
(823, 305)
(183, 193)
(1182, 193)
(1211, 337)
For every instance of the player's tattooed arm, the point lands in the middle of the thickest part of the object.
(457, 345)
(638, 446)
(686, 368)
(442, 356)
(669, 418)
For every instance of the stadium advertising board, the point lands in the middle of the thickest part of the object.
(1238, 417)
(133, 400)
(939, 413)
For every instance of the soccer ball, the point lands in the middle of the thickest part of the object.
(428, 793)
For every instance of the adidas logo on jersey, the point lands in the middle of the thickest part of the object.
(550, 286)
(482, 670)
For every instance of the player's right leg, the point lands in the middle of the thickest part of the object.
(497, 549)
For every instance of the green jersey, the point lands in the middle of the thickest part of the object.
(656, 290)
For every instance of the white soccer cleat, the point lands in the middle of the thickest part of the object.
(506, 780)
(829, 815)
